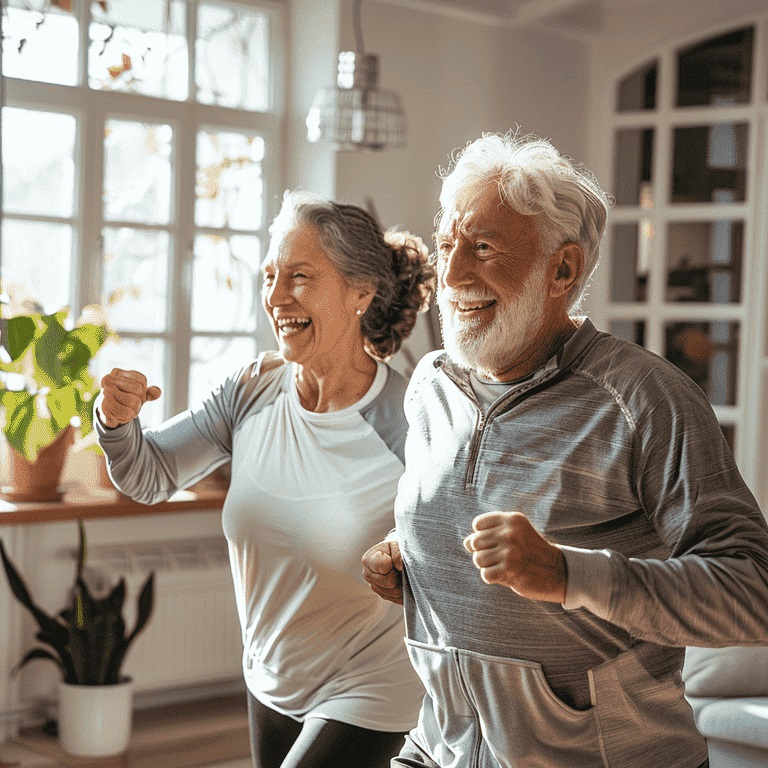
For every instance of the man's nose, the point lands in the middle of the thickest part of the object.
(457, 267)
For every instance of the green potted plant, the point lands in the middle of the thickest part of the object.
(46, 391)
(88, 641)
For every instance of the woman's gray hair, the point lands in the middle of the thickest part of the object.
(395, 263)
(535, 179)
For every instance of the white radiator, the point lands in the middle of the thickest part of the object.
(193, 636)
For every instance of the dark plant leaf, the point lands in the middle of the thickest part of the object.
(38, 653)
(19, 332)
(146, 602)
(19, 589)
(81, 551)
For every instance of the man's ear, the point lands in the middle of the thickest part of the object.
(568, 268)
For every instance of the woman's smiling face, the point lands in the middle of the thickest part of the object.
(312, 308)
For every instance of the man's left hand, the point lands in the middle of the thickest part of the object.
(508, 550)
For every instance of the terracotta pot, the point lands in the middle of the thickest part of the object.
(95, 720)
(39, 480)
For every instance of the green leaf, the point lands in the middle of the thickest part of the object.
(48, 349)
(92, 336)
(19, 332)
(19, 414)
(62, 403)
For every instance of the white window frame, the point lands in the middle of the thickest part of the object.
(92, 108)
(750, 412)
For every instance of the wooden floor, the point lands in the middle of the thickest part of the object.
(208, 734)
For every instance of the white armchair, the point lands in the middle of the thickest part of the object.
(728, 690)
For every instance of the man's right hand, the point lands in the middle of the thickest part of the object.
(123, 393)
(383, 570)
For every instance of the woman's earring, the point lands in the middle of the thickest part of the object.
(359, 312)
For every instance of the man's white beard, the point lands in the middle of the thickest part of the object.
(493, 349)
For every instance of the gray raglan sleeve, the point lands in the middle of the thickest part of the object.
(712, 590)
(150, 464)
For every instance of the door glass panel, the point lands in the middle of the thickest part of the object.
(633, 163)
(41, 46)
(135, 278)
(638, 90)
(629, 262)
(232, 56)
(704, 261)
(709, 163)
(716, 72)
(145, 355)
(137, 172)
(37, 256)
(38, 162)
(213, 359)
(230, 184)
(225, 283)
(139, 48)
(631, 330)
(708, 353)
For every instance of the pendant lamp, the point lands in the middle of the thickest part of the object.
(357, 114)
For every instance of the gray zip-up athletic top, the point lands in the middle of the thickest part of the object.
(310, 493)
(616, 455)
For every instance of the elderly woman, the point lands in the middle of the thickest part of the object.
(315, 433)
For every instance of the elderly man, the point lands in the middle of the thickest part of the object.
(570, 517)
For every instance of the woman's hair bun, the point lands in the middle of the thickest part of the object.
(386, 325)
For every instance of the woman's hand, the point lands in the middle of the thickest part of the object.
(123, 393)
(383, 570)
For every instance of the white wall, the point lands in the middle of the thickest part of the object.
(457, 79)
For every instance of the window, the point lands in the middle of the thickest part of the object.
(686, 273)
(141, 155)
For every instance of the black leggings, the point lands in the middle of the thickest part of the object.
(278, 741)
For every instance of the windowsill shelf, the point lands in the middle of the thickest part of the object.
(87, 503)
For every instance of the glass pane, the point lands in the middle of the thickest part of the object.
(708, 353)
(230, 186)
(704, 261)
(38, 255)
(38, 162)
(41, 45)
(629, 261)
(137, 172)
(225, 295)
(717, 71)
(232, 56)
(135, 278)
(710, 163)
(638, 90)
(632, 166)
(631, 330)
(139, 48)
(215, 359)
(145, 355)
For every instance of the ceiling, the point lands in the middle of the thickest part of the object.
(581, 18)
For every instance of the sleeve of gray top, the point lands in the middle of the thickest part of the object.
(712, 588)
(385, 414)
(149, 465)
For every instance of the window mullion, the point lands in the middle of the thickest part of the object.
(180, 277)
(90, 196)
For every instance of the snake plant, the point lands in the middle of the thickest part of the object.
(88, 640)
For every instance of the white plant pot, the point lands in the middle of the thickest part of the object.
(95, 720)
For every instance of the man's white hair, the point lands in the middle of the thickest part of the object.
(535, 179)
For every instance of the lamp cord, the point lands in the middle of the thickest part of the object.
(358, 25)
